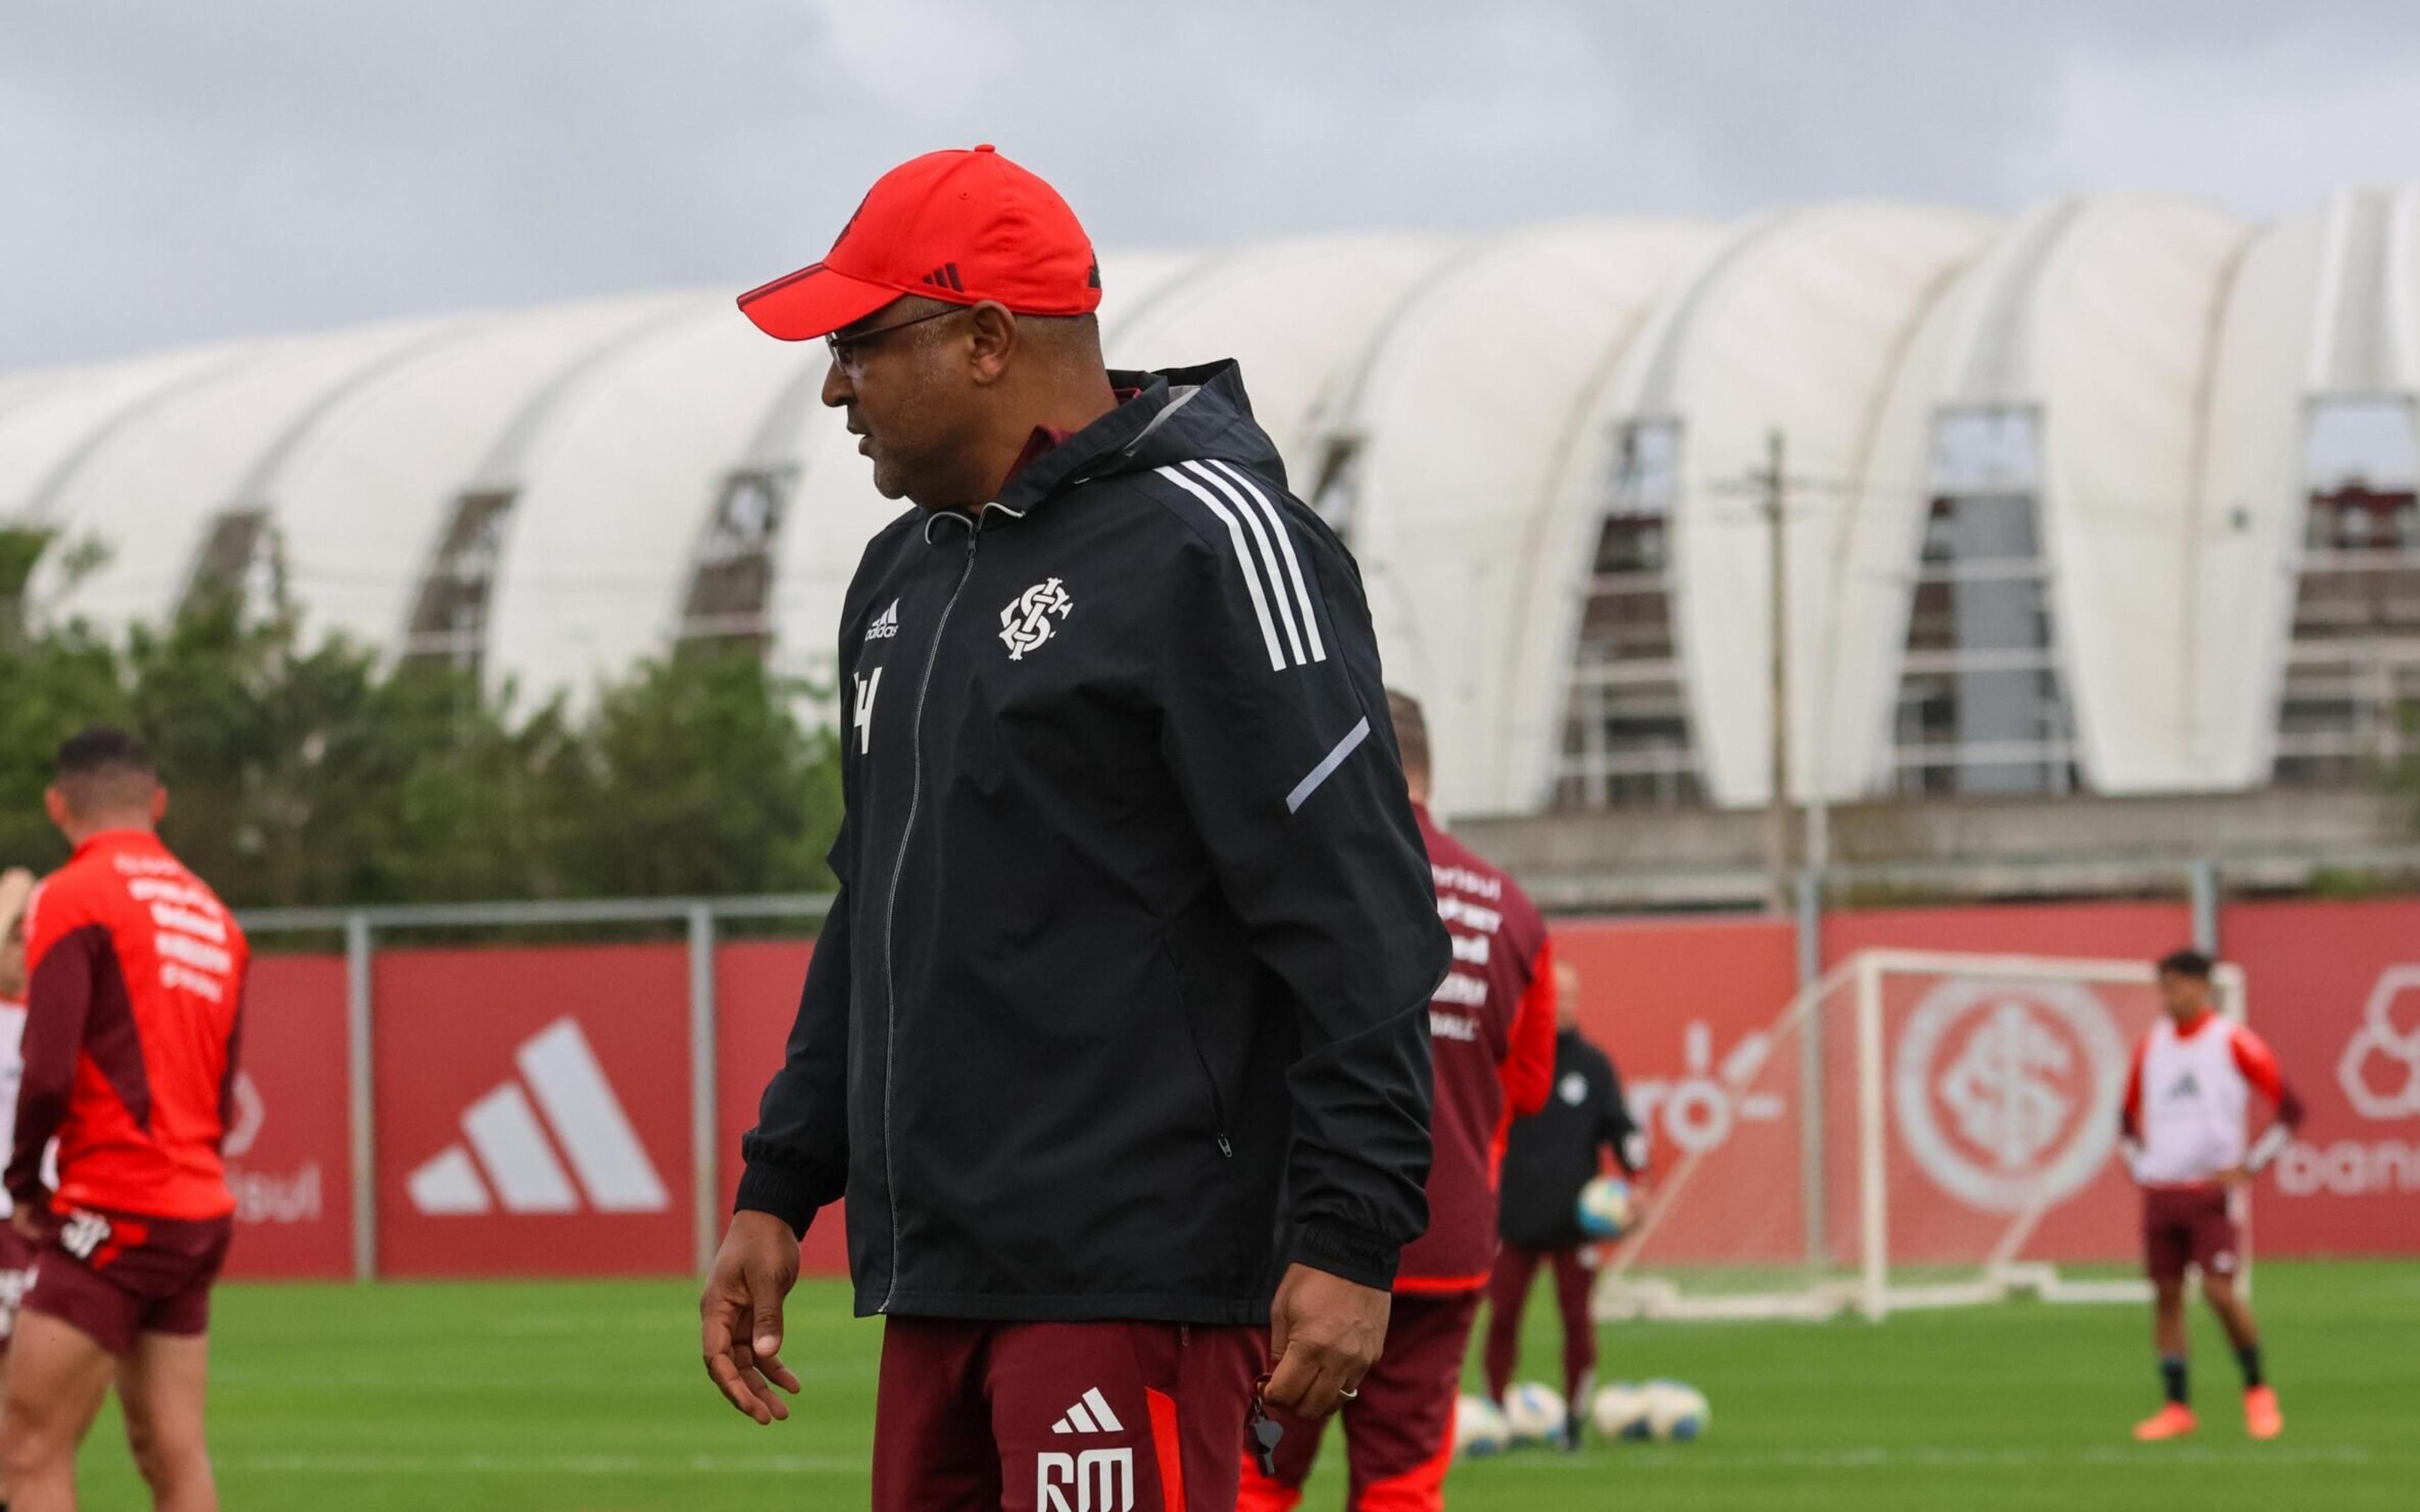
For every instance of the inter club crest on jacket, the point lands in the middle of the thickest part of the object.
(1136, 938)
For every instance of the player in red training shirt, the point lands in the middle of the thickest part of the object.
(2184, 1119)
(1491, 1035)
(134, 995)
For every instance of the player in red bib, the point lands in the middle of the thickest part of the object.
(134, 995)
(1492, 1035)
(2188, 1100)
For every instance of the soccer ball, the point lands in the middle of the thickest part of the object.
(1604, 1210)
(1676, 1414)
(1620, 1410)
(1536, 1413)
(1480, 1429)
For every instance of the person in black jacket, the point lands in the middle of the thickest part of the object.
(1547, 1159)
(1116, 1038)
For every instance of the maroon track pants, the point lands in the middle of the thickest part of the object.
(1399, 1431)
(1060, 1417)
(1509, 1293)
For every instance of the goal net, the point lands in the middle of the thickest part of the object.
(1917, 1129)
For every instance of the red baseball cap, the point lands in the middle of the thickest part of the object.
(961, 226)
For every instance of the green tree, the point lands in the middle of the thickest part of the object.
(701, 780)
(311, 775)
(52, 683)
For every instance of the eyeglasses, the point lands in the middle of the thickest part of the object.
(847, 350)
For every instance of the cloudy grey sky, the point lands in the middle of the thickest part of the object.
(176, 170)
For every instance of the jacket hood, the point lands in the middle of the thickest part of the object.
(1179, 414)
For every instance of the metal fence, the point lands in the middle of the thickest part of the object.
(703, 923)
(361, 928)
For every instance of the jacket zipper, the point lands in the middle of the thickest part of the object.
(1193, 1038)
(891, 902)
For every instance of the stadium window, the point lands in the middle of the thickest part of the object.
(2352, 667)
(1980, 706)
(1336, 489)
(449, 620)
(1626, 736)
(731, 573)
(240, 554)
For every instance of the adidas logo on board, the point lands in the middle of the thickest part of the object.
(506, 1157)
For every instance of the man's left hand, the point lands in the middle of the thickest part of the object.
(1324, 1334)
(28, 1225)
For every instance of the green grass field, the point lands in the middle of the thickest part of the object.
(590, 1396)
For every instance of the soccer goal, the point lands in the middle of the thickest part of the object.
(1936, 1129)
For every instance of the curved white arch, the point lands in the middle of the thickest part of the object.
(1461, 421)
(150, 485)
(53, 422)
(1797, 325)
(363, 497)
(2323, 311)
(1295, 316)
(1477, 386)
(612, 494)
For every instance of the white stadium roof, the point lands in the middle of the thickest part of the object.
(2050, 483)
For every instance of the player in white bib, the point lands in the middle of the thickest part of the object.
(16, 1256)
(2189, 1100)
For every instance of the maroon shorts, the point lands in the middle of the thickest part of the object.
(1399, 1430)
(2185, 1225)
(116, 1275)
(16, 1273)
(1509, 1294)
(1060, 1417)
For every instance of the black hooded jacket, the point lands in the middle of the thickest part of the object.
(1124, 1004)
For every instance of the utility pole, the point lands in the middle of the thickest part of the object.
(1770, 488)
(1801, 891)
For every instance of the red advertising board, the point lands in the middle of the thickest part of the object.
(2002, 1096)
(2336, 991)
(1670, 1000)
(2123, 930)
(288, 1148)
(532, 1110)
(756, 995)
(532, 1104)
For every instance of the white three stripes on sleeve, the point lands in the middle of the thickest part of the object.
(1259, 528)
(1264, 520)
(1285, 544)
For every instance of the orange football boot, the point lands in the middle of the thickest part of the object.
(2261, 1418)
(2173, 1421)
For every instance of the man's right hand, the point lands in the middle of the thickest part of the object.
(741, 1314)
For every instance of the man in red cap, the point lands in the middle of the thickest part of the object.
(1116, 1038)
